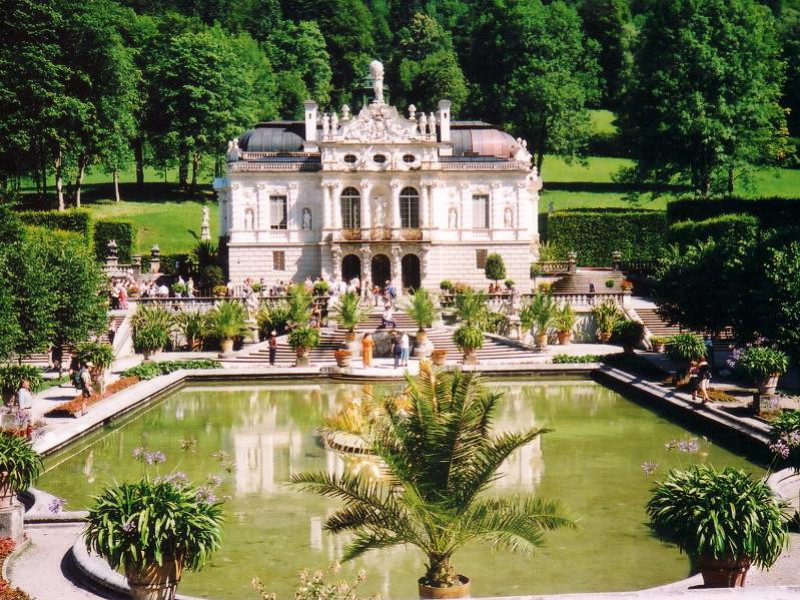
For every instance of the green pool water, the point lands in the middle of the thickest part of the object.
(591, 461)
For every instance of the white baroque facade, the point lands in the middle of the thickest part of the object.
(378, 195)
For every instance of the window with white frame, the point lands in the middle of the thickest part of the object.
(480, 211)
(409, 208)
(351, 208)
(277, 212)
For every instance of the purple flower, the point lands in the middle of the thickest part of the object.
(137, 452)
(154, 457)
(689, 446)
(780, 448)
(56, 505)
(649, 467)
(129, 527)
(214, 480)
(205, 494)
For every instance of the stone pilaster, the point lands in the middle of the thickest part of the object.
(366, 263)
(397, 268)
(366, 216)
(395, 186)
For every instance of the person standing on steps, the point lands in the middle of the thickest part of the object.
(397, 351)
(273, 347)
(367, 344)
(405, 344)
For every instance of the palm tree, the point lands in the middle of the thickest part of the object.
(441, 457)
(422, 311)
(471, 308)
(348, 312)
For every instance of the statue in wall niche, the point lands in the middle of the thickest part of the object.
(306, 218)
(452, 218)
(508, 217)
(249, 219)
(380, 212)
(376, 71)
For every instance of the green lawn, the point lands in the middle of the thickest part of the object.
(603, 121)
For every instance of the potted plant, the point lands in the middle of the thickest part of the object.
(151, 329)
(422, 310)
(342, 358)
(543, 310)
(441, 458)
(100, 354)
(606, 315)
(683, 348)
(725, 520)
(439, 357)
(509, 284)
(178, 289)
(629, 334)
(348, 313)
(659, 343)
(227, 321)
(446, 286)
(626, 285)
(20, 466)
(609, 283)
(564, 320)
(219, 291)
(12, 375)
(153, 529)
(192, 325)
(321, 288)
(302, 339)
(763, 366)
(469, 340)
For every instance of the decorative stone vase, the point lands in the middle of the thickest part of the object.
(541, 340)
(303, 359)
(435, 593)
(155, 582)
(564, 337)
(723, 573)
(767, 387)
(470, 357)
(227, 348)
(605, 336)
(439, 357)
(422, 336)
(342, 358)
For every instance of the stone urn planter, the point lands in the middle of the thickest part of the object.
(439, 357)
(303, 359)
(471, 357)
(342, 358)
(564, 337)
(767, 387)
(541, 340)
(227, 347)
(422, 336)
(456, 591)
(155, 582)
(725, 573)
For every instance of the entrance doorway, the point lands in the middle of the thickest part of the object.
(411, 272)
(351, 267)
(381, 270)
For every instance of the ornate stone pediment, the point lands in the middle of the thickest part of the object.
(379, 122)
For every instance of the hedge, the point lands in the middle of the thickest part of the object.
(771, 212)
(122, 231)
(595, 233)
(732, 226)
(75, 220)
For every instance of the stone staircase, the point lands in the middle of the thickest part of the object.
(42, 359)
(578, 282)
(333, 339)
(655, 324)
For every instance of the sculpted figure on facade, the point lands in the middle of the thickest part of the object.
(334, 123)
(345, 112)
(234, 153)
(508, 217)
(380, 212)
(376, 71)
(326, 125)
(306, 218)
(249, 219)
(452, 218)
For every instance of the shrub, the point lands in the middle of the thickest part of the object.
(509, 284)
(536, 271)
(150, 337)
(100, 354)
(178, 289)
(304, 338)
(212, 277)
(497, 323)
(149, 370)
(495, 268)
(609, 283)
(685, 347)
(20, 464)
(468, 338)
(321, 288)
(595, 234)
(628, 333)
(12, 375)
(771, 212)
(471, 307)
(123, 232)
(75, 220)
(606, 315)
(785, 437)
(446, 285)
(567, 359)
(685, 233)
(719, 514)
(192, 324)
(273, 316)
(758, 364)
(564, 318)
(227, 320)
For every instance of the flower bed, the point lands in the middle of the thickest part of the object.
(74, 407)
(149, 370)
(6, 591)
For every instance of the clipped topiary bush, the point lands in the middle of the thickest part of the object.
(123, 232)
(731, 226)
(75, 220)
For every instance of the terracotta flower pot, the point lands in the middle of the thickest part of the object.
(439, 357)
(302, 357)
(457, 591)
(350, 336)
(342, 357)
(768, 386)
(605, 336)
(723, 573)
(659, 347)
(155, 582)
(564, 337)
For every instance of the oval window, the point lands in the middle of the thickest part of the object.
(409, 158)
(379, 158)
(350, 158)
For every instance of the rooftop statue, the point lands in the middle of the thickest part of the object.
(376, 71)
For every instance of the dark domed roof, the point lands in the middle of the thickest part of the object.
(274, 136)
(474, 138)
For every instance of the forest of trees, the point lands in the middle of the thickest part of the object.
(703, 89)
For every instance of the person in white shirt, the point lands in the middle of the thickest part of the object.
(24, 395)
(404, 349)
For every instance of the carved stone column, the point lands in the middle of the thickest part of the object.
(336, 258)
(366, 220)
(425, 206)
(423, 264)
(394, 184)
(462, 221)
(327, 201)
(292, 218)
(397, 269)
(262, 205)
(337, 206)
(494, 202)
(366, 263)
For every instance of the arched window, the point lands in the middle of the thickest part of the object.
(409, 208)
(351, 208)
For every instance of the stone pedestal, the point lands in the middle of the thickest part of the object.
(514, 328)
(765, 403)
(11, 525)
(251, 337)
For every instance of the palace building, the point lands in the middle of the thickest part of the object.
(378, 195)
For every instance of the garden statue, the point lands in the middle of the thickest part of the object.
(205, 227)
(508, 217)
(376, 71)
(306, 218)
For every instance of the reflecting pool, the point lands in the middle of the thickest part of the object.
(592, 461)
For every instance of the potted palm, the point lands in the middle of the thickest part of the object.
(422, 310)
(469, 340)
(725, 520)
(20, 466)
(348, 313)
(100, 354)
(683, 348)
(606, 315)
(763, 366)
(440, 459)
(151, 329)
(227, 321)
(153, 529)
(191, 324)
(302, 339)
(564, 320)
(544, 310)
